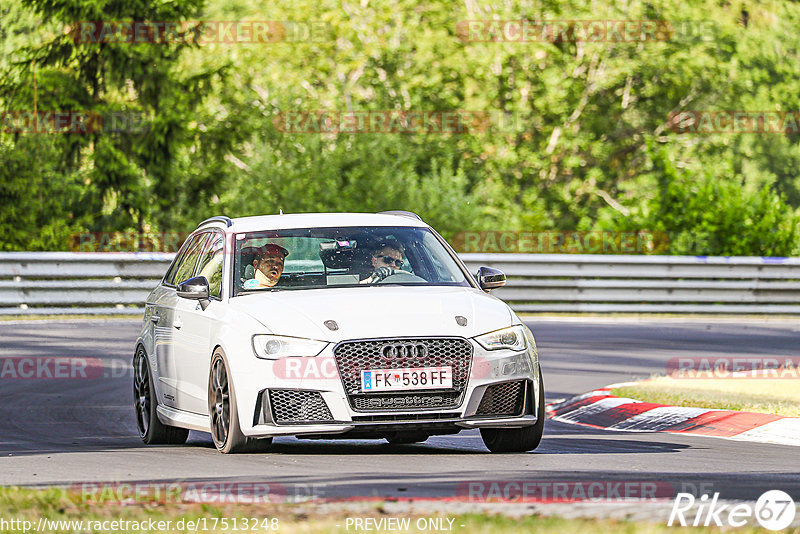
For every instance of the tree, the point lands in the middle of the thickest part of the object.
(130, 176)
(707, 216)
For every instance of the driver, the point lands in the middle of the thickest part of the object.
(387, 259)
(268, 267)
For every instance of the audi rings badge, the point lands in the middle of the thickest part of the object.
(404, 351)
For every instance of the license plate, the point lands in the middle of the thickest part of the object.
(407, 379)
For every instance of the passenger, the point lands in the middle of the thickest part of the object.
(268, 267)
(387, 259)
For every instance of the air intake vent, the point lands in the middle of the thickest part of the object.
(298, 406)
(503, 399)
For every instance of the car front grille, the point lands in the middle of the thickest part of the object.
(503, 399)
(352, 357)
(298, 406)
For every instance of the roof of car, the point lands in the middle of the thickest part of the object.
(318, 220)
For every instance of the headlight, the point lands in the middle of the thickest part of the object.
(274, 347)
(512, 338)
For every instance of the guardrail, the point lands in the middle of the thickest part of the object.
(46, 283)
(117, 283)
(646, 284)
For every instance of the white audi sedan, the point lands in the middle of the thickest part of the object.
(332, 325)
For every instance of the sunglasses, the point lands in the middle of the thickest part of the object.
(389, 260)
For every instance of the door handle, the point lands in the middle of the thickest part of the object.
(155, 319)
(178, 323)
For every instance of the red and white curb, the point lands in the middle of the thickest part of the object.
(600, 409)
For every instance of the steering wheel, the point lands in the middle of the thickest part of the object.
(401, 277)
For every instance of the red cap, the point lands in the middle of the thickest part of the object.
(272, 248)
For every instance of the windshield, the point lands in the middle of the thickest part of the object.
(312, 258)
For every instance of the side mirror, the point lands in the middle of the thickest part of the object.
(195, 289)
(490, 278)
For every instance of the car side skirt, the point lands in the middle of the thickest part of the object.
(192, 421)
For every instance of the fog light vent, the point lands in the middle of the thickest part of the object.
(298, 406)
(503, 399)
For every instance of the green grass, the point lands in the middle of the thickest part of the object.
(59, 504)
(760, 395)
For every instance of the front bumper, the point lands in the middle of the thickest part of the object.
(489, 368)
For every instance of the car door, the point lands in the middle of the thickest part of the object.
(160, 313)
(193, 338)
(164, 318)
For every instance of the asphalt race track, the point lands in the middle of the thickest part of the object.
(64, 431)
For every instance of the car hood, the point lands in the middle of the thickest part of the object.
(372, 312)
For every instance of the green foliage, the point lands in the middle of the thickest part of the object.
(38, 198)
(130, 176)
(708, 216)
(364, 173)
(583, 143)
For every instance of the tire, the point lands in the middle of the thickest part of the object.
(223, 414)
(404, 438)
(517, 439)
(151, 429)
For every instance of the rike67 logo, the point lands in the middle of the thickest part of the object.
(774, 510)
